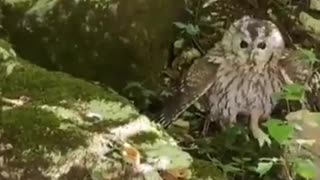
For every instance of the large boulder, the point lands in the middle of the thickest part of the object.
(55, 126)
(65, 127)
(97, 40)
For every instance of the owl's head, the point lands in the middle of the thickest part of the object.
(254, 41)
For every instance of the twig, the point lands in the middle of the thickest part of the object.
(203, 52)
(286, 169)
(15, 102)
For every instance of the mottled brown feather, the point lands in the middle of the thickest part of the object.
(196, 82)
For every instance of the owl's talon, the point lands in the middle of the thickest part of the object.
(261, 137)
(205, 127)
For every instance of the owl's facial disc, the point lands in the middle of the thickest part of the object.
(256, 42)
(266, 42)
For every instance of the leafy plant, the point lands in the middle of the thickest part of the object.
(305, 168)
(281, 131)
(293, 92)
(188, 28)
(265, 165)
(310, 56)
(139, 94)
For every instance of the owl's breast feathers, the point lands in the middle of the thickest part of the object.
(243, 89)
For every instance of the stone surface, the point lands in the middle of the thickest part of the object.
(310, 23)
(315, 5)
(308, 135)
(97, 40)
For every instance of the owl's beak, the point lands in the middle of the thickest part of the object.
(252, 58)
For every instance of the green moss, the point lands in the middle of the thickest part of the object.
(145, 137)
(104, 125)
(32, 129)
(51, 87)
(112, 110)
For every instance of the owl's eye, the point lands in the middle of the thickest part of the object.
(243, 44)
(262, 45)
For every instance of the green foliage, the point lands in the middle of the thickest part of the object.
(179, 43)
(139, 94)
(264, 167)
(305, 168)
(233, 167)
(204, 170)
(293, 92)
(234, 153)
(279, 130)
(159, 148)
(190, 29)
(310, 55)
(283, 132)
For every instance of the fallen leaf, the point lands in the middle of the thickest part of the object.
(131, 154)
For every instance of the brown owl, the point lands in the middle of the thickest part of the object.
(239, 76)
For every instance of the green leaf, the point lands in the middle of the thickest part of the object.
(230, 168)
(279, 130)
(295, 92)
(305, 168)
(179, 43)
(180, 25)
(192, 30)
(189, 28)
(310, 55)
(263, 168)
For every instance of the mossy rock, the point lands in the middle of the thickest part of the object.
(69, 128)
(96, 40)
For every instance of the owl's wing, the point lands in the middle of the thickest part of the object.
(198, 79)
(298, 69)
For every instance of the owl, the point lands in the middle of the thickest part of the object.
(240, 75)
